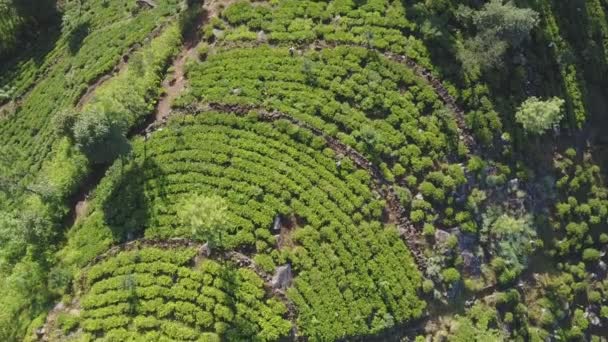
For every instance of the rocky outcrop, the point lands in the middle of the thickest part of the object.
(282, 277)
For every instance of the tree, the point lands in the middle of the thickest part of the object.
(506, 21)
(498, 26)
(537, 116)
(509, 238)
(63, 123)
(205, 216)
(100, 136)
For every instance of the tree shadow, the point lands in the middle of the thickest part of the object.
(127, 208)
(77, 36)
(41, 30)
(191, 22)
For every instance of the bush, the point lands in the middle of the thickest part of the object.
(591, 255)
(67, 322)
(450, 275)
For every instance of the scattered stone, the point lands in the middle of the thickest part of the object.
(40, 332)
(276, 226)
(592, 317)
(262, 36)
(59, 306)
(514, 184)
(204, 250)
(441, 236)
(146, 3)
(282, 277)
(218, 34)
(471, 263)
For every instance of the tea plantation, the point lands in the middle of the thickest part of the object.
(303, 170)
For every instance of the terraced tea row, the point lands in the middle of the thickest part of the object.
(378, 24)
(332, 234)
(378, 107)
(151, 293)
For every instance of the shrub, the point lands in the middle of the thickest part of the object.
(450, 275)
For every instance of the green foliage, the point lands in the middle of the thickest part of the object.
(499, 25)
(155, 291)
(21, 21)
(581, 206)
(450, 275)
(205, 216)
(258, 168)
(48, 76)
(509, 238)
(537, 116)
(100, 136)
(67, 322)
(591, 255)
(476, 325)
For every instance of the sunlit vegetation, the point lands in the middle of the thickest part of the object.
(67, 70)
(378, 107)
(263, 170)
(46, 84)
(303, 169)
(153, 294)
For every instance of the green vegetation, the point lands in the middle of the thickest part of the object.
(22, 21)
(303, 169)
(376, 106)
(43, 170)
(151, 293)
(206, 217)
(499, 26)
(258, 168)
(537, 116)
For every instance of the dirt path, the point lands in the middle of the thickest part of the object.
(174, 85)
(118, 68)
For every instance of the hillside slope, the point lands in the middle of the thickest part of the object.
(304, 170)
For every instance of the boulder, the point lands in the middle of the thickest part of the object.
(514, 185)
(282, 277)
(146, 3)
(276, 225)
(262, 38)
(204, 250)
(441, 236)
(471, 263)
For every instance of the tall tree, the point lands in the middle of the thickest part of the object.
(100, 136)
(498, 26)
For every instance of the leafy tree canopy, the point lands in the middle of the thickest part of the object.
(100, 136)
(537, 116)
(498, 26)
(205, 216)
